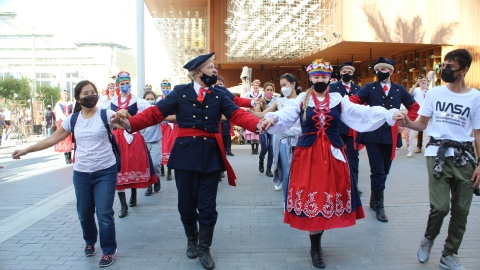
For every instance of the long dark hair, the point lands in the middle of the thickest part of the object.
(78, 90)
(291, 79)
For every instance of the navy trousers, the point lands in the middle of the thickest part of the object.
(380, 163)
(197, 197)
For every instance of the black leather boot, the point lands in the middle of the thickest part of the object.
(229, 152)
(192, 236)
(379, 210)
(169, 174)
(157, 186)
(205, 236)
(260, 166)
(269, 172)
(133, 198)
(148, 191)
(162, 170)
(68, 158)
(316, 250)
(123, 203)
(256, 149)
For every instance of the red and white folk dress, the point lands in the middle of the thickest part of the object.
(320, 194)
(137, 168)
(62, 110)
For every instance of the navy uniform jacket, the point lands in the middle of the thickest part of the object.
(372, 94)
(195, 153)
(338, 87)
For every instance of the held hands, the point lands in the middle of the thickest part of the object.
(404, 121)
(121, 118)
(18, 153)
(266, 123)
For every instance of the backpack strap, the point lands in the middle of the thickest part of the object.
(103, 115)
(73, 122)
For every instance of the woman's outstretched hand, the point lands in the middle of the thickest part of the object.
(18, 153)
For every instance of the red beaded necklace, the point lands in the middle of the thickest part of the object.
(123, 105)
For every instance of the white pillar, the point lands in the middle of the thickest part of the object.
(140, 48)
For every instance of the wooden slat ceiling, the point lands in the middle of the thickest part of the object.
(342, 52)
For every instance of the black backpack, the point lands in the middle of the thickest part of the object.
(111, 138)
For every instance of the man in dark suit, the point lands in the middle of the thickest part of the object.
(197, 156)
(381, 143)
(346, 87)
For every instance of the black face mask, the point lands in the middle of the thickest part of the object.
(320, 87)
(346, 77)
(89, 101)
(448, 75)
(208, 80)
(382, 76)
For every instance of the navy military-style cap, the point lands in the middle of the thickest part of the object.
(347, 65)
(384, 62)
(196, 62)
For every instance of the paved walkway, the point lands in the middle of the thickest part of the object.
(39, 228)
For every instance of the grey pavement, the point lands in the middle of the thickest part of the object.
(39, 228)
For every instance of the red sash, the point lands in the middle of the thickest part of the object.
(189, 132)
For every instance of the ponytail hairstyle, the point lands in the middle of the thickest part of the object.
(78, 89)
(292, 79)
(305, 103)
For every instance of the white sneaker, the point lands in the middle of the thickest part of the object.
(279, 187)
(423, 252)
(410, 154)
(451, 262)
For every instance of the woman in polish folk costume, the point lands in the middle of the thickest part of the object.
(321, 195)
(137, 169)
(105, 100)
(62, 109)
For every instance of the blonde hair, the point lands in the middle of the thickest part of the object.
(305, 103)
(191, 73)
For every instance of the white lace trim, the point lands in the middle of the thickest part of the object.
(311, 207)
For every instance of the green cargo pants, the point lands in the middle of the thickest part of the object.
(454, 181)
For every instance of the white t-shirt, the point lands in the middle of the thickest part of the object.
(419, 95)
(454, 116)
(94, 151)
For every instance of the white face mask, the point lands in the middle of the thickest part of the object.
(286, 91)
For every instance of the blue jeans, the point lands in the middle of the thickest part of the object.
(49, 132)
(283, 160)
(266, 144)
(95, 192)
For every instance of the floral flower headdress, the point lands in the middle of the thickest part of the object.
(319, 67)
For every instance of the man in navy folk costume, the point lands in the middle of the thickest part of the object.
(197, 156)
(381, 143)
(346, 87)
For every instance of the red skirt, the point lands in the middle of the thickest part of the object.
(168, 139)
(135, 171)
(66, 145)
(320, 193)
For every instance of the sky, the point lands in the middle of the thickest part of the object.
(95, 21)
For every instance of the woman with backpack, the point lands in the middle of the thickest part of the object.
(94, 171)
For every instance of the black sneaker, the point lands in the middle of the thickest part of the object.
(89, 250)
(107, 260)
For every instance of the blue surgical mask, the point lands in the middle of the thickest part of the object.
(152, 102)
(125, 89)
